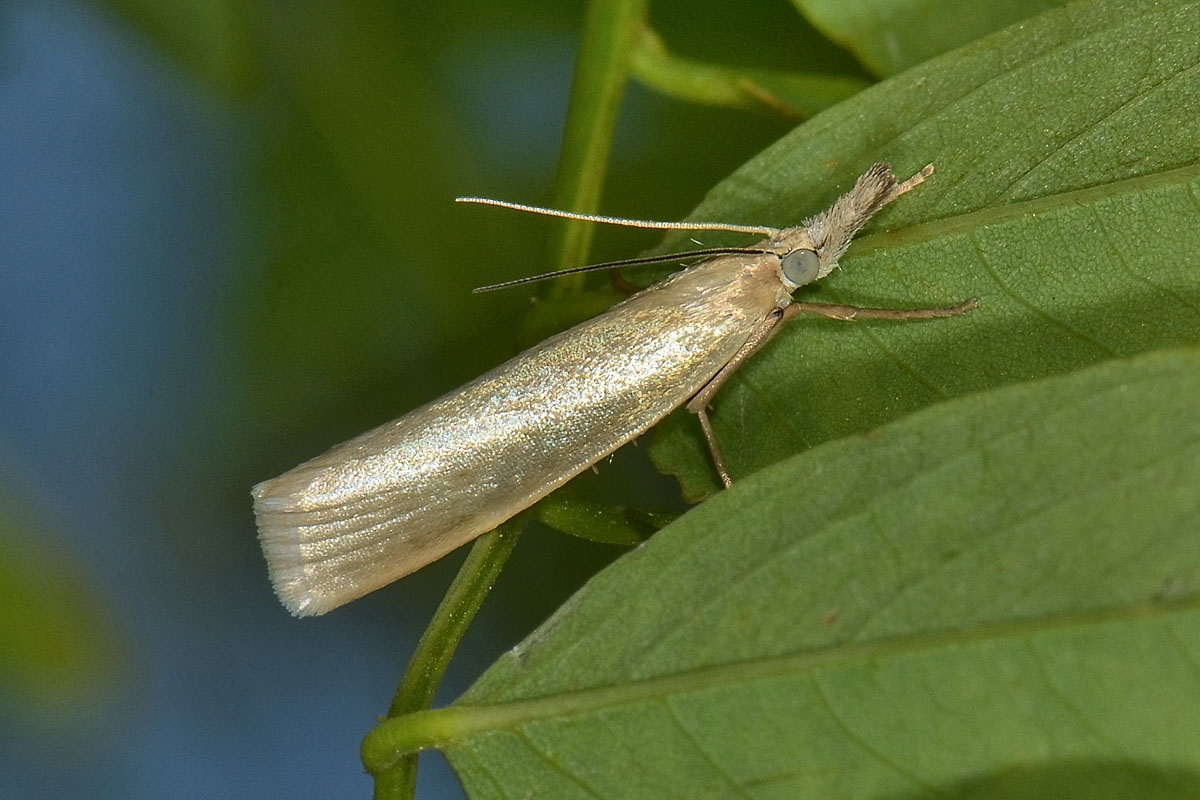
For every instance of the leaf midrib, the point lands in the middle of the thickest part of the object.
(449, 726)
(962, 224)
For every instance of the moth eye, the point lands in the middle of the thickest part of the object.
(801, 266)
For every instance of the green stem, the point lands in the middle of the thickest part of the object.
(428, 664)
(792, 95)
(610, 35)
(611, 32)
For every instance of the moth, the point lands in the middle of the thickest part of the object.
(390, 501)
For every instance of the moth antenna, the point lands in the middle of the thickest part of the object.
(630, 223)
(625, 262)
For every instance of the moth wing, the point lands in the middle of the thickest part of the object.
(398, 497)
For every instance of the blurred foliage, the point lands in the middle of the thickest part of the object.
(211, 37)
(60, 647)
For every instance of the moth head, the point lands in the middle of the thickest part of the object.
(830, 232)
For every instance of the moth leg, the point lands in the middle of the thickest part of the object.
(698, 405)
(714, 448)
(848, 313)
(766, 331)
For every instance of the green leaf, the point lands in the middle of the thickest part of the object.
(1064, 201)
(999, 593)
(889, 37)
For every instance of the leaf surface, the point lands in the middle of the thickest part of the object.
(1065, 201)
(946, 603)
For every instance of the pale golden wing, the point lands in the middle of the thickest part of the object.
(388, 502)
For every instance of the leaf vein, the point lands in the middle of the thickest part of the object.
(1068, 704)
(554, 766)
(1141, 277)
(1026, 304)
(687, 734)
(855, 738)
(1092, 126)
(1028, 515)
